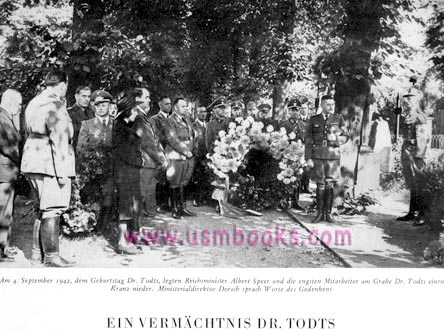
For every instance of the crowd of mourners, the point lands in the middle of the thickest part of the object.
(156, 153)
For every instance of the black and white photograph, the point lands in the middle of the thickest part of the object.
(222, 136)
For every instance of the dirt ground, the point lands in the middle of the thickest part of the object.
(98, 251)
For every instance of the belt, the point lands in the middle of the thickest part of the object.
(185, 140)
(38, 135)
(325, 143)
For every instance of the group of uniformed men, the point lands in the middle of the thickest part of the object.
(173, 147)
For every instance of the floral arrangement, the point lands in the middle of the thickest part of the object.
(232, 154)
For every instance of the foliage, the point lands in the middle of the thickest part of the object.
(435, 251)
(432, 188)
(435, 37)
(358, 205)
(94, 166)
(394, 180)
(80, 219)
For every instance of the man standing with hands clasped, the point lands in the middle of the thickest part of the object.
(325, 133)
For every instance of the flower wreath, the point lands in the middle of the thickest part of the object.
(244, 135)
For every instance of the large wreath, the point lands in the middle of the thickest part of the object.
(263, 164)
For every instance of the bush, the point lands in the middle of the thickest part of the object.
(394, 180)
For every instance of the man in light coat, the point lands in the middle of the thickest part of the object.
(48, 160)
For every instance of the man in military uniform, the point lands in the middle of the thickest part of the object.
(237, 109)
(219, 122)
(95, 133)
(80, 111)
(200, 177)
(179, 150)
(97, 130)
(294, 124)
(49, 162)
(154, 158)
(264, 115)
(10, 139)
(160, 121)
(414, 148)
(325, 133)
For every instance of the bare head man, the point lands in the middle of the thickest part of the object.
(165, 104)
(180, 106)
(201, 113)
(327, 104)
(143, 95)
(83, 96)
(57, 81)
(11, 101)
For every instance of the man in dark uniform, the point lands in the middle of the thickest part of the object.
(237, 109)
(179, 150)
(414, 147)
(160, 121)
(200, 179)
(219, 122)
(303, 119)
(295, 125)
(80, 111)
(154, 158)
(264, 115)
(325, 133)
(9, 166)
(96, 135)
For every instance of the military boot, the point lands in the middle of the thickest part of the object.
(37, 255)
(329, 197)
(183, 204)
(412, 214)
(49, 232)
(418, 220)
(320, 205)
(176, 210)
(295, 202)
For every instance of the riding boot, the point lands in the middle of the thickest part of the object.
(419, 210)
(329, 197)
(49, 232)
(176, 210)
(320, 204)
(295, 203)
(124, 246)
(411, 215)
(183, 203)
(37, 255)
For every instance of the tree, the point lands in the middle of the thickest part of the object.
(352, 70)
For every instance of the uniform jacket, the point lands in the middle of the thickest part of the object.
(49, 129)
(152, 151)
(180, 137)
(212, 134)
(77, 115)
(127, 152)
(416, 137)
(161, 125)
(93, 133)
(297, 126)
(200, 146)
(316, 144)
(9, 148)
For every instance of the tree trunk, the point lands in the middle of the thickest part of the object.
(352, 88)
(86, 37)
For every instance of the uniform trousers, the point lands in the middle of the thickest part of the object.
(53, 198)
(326, 171)
(148, 184)
(179, 173)
(6, 211)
